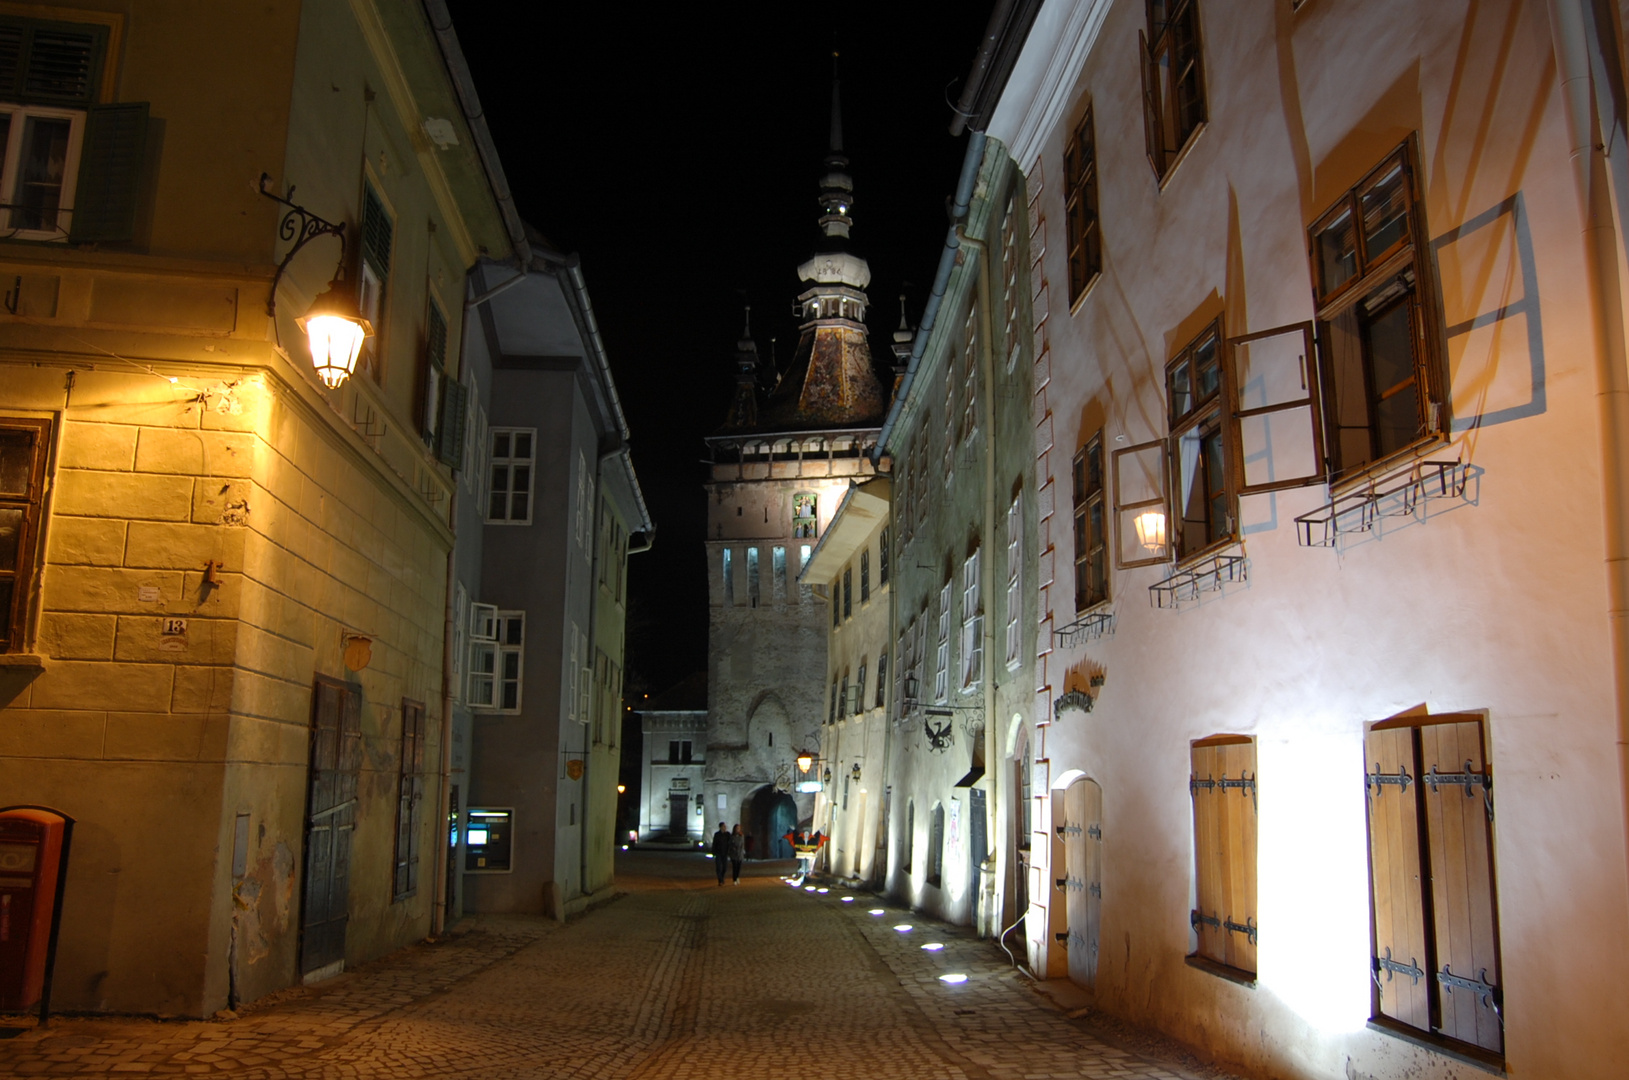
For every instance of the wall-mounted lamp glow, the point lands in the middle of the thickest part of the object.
(805, 761)
(622, 789)
(335, 329)
(1151, 530)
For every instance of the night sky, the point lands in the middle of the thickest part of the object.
(676, 148)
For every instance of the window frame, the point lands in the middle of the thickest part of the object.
(1212, 407)
(509, 462)
(941, 662)
(373, 271)
(1373, 274)
(972, 627)
(11, 166)
(1015, 580)
(1083, 225)
(483, 640)
(1085, 496)
(31, 503)
(1156, 41)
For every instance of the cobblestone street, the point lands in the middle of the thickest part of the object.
(677, 978)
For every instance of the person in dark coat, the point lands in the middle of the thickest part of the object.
(721, 850)
(738, 851)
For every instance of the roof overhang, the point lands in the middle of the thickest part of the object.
(863, 510)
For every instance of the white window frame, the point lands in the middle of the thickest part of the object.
(1015, 577)
(584, 530)
(460, 640)
(11, 164)
(481, 685)
(972, 623)
(510, 490)
(505, 650)
(941, 663)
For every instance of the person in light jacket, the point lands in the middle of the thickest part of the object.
(738, 851)
(721, 849)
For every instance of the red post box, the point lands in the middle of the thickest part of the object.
(33, 859)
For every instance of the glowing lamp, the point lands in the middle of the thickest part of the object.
(1151, 530)
(335, 329)
(805, 761)
(622, 789)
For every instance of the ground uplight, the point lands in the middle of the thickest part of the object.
(954, 978)
(933, 946)
(808, 888)
(822, 890)
(878, 911)
(848, 899)
(903, 927)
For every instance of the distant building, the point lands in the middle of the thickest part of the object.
(778, 469)
(672, 766)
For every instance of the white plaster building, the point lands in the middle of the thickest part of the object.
(1330, 424)
(672, 764)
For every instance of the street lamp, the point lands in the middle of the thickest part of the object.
(805, 761)
(1151, 530)
(335, 329)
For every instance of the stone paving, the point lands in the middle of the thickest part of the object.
(677, 978)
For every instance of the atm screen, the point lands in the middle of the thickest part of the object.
(477, 837)
(487, 840)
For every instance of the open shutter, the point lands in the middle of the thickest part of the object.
(1139, 488)
(1235, 801)
(454, 418)
(1208, 912)
(110, 163)
(1277, 426)
(1402, 976)
(1151, 106)
(1457, 794)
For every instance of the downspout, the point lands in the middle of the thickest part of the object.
(1567, 28)
(987, 577)
(438, 917)
(941, 281)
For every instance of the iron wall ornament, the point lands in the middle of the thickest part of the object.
(940, 735)
(1072, 699)
(301, 226)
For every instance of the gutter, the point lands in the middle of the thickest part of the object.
(981, 65)
(1570, 30)
(452, 55)
(941, 282)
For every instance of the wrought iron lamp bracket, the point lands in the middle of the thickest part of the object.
(301, 226)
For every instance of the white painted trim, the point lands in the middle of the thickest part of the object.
(1038, 91)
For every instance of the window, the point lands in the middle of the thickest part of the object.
(1431, 879)
(673, 752)
(1173, 81)
(1091, 566)
(859, 690)
(472, 462)
(805, 516)
(409, 800)
(1223, 787)
(23, 448)
(442, 405)
(805, 592)
(882, 680)
(972, 623)
(970, 373)
(884, 540)
(509, 496)
(848, 591)
(777, 558)
(1383, 388)
(728, 572)
(949, 465)
(69, 168)
(1011, 299)
(752, 576)
(582, 675)
(460, 639)
(832, 717)
(1015, 577)
(1198, 456)
(941, 668)
(843, 705)
(865, 575)
(936, 845)
(373, 272)
(1080, 194)
(583, 529)
(497, 645)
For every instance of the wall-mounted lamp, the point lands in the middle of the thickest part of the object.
(805, 761)
(333, 325)
(826, 776)
(622, 789)
(854, 773)
(1151, 530)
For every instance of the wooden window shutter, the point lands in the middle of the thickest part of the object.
(1402, 974)
(1207, 847)
(454, 418)
(51, 63)
(1457, 793)
(378, 233)
(1223, 786)
(110, 169)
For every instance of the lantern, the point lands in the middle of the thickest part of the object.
(1151, 530)
(335, 328)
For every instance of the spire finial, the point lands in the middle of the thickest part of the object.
(747, 330)
(902, 323)
(836, 108)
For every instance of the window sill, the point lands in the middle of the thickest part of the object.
(1222, 971)
(17, 670)
(1182, 155)
(1437, 1044)
(1077, 302)
(1398, 461)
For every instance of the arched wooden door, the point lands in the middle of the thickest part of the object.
(1083, 877)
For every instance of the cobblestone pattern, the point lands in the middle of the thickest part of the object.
(677, 979)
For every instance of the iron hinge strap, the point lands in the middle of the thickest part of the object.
(1485, 992)
(1195, 918)
(1397, 967)
(1247, 928)
(1373, 782)
(1095, 833)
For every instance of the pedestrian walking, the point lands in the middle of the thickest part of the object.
(738, 851)
(721, 849)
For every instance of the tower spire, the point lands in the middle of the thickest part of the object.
(836, 107)
(836, 186)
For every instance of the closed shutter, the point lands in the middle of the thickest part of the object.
(378, 233)
(110, 166)
(1401, 965)
(1223, 785)
(50, 63)
(454, 419)
(1457, 794)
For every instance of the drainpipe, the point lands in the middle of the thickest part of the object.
(1567, 29)
(987, 577)
(438, 917)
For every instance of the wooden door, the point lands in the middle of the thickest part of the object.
(678, 815)
(1083, 878)
(336, 762)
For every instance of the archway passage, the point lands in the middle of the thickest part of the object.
(771, 815)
